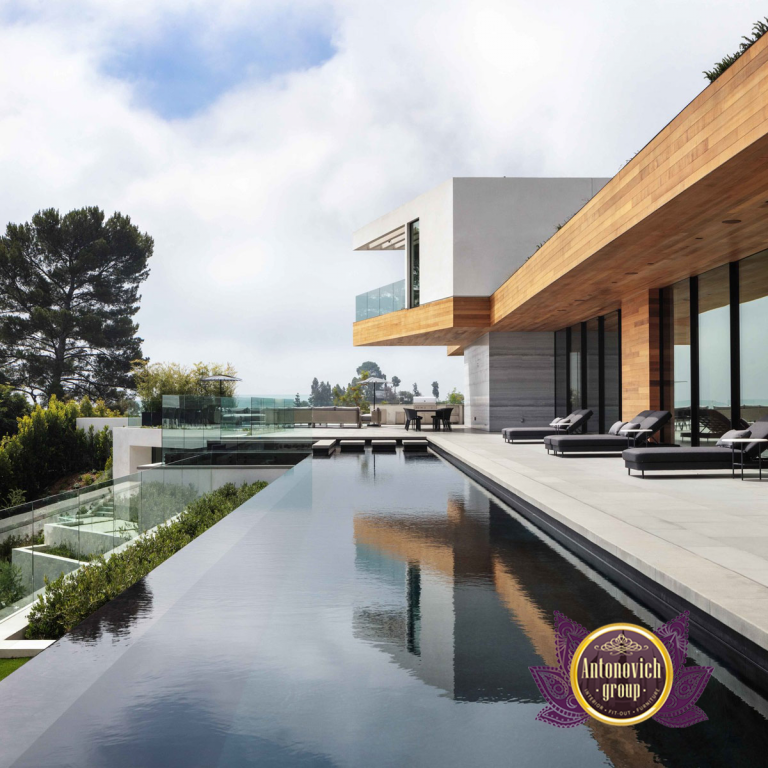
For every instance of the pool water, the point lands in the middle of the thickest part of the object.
(362, 611)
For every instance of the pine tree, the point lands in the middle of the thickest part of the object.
(69, 289)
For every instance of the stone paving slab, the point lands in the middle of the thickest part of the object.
(702, 535)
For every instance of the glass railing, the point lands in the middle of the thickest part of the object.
(194, 422)
(380, 301)
(42, 539)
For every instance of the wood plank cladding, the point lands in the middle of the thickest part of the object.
(640, 354)
(447, 322)
(661, 218)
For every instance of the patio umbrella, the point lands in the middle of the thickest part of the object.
(374, 380)
(221, 378)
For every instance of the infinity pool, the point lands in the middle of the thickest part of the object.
(361, 611)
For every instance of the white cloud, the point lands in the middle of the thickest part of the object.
(252, 201)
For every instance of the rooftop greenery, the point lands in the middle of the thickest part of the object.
(759, 28)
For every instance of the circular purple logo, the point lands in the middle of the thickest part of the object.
(621, 674)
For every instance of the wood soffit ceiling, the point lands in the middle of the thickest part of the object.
(661, 219)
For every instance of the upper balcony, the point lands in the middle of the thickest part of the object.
(380, 301)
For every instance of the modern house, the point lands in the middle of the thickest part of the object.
(645, 291)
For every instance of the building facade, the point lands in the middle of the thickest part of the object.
(645, 291)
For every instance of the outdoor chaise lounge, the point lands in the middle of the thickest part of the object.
(566, 426)
(720, 456)
(616, 441)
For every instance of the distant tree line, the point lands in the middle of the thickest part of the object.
(357, 392)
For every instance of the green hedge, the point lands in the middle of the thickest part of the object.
(47, 446)
(73, 597)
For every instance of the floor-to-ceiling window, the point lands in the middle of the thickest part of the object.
(611, 370)
(588, 370)
(561, 372)
(714, 354)
(575, 364)
(592, 360)
(753, 332)
(717, 322)
(680, 396)
(413, 263)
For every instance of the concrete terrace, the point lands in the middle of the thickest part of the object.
(703, 536)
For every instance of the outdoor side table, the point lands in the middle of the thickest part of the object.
(733, 441)
(633, 437)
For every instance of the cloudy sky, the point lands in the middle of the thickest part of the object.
(251, 137)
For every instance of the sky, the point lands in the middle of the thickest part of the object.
(250, 139)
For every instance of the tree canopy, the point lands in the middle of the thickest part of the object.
(153, 380)
(69, 289)
(13, 406)
(372, 368)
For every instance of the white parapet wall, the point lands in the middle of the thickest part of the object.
(219, 475)
(98, 422)
(132, 448)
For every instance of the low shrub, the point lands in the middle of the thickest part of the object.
(11, 588)
(73, 597)
(12, 542)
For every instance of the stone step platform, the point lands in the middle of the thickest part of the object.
(323, 447)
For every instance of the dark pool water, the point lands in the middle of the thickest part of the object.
(361, 611)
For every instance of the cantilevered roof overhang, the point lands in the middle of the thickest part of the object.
(692, 199)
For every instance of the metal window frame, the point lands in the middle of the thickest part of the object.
(409, 263)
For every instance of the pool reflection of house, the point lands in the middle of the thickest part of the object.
(447, 591)
(465, 602)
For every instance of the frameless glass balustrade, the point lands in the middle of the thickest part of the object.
(380, 301)
(43, 539)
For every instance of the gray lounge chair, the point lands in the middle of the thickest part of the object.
(567, 426)
(610, 443)
(700, 458)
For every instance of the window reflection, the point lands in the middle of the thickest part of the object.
(593, 374)
(574, 359)
(612, 366)
(714, 355)
(753, 322)
(681, 386)
(413, 260)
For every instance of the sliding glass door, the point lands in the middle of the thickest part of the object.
(588, 370)
(718, 322)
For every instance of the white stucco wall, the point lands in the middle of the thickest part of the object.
(98, 423)
(497, 224)
(132, 447)
(434, 210)
(476, 232)
(221, 475)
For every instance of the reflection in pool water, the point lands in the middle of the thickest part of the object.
(363, 611)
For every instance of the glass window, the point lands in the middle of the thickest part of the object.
(593, 374)
(574, 365)
(681, 385)
(413, 260)
(612, 366)
(714, 355)
(753, 325)
(561, 368)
